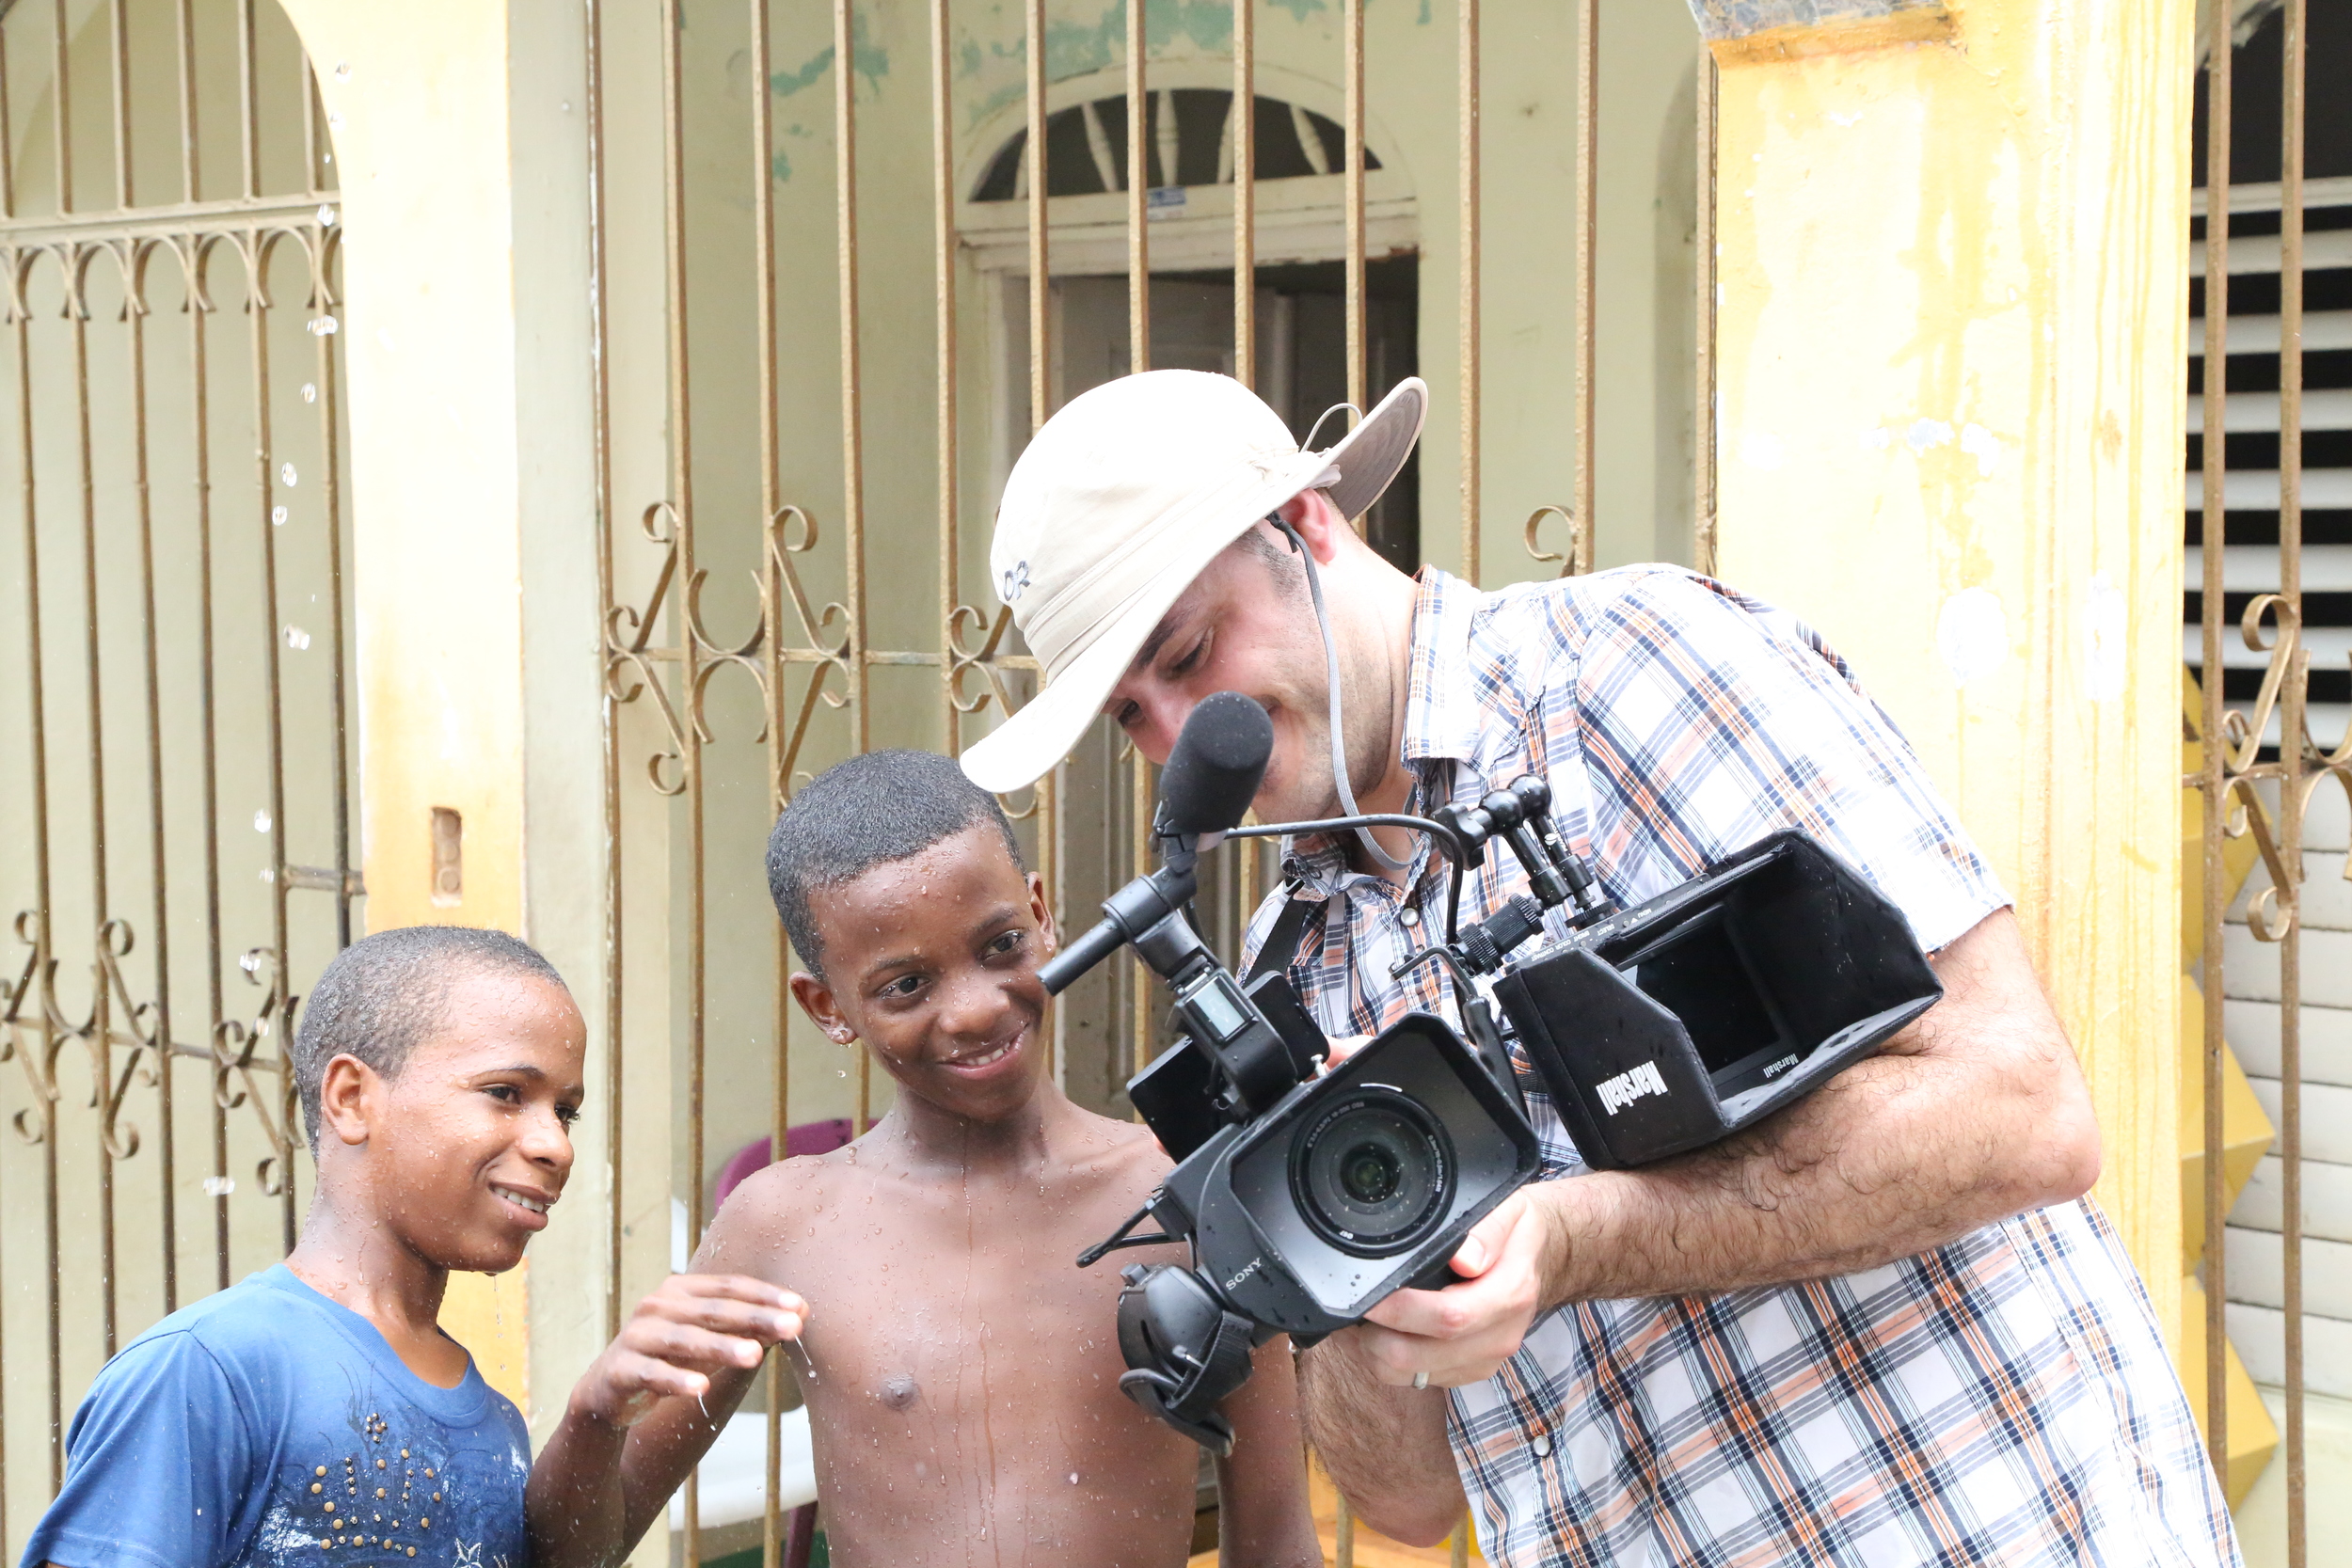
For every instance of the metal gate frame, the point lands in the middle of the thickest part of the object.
(133, 1030)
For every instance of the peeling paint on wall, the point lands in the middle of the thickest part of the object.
(873, 63)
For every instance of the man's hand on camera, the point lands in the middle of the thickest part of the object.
(692, 1326)
(1465, 1333)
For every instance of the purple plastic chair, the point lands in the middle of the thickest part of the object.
(809, 1137)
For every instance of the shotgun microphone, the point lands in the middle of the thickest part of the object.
(1214, 768)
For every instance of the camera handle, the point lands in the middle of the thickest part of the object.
(1478, 1020)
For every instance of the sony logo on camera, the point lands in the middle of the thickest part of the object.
(1625, 1087)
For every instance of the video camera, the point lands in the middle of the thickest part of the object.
(1307, 1199)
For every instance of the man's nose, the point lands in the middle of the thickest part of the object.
(1161, 721)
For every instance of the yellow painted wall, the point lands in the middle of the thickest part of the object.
(420, 96)
(1954, 294)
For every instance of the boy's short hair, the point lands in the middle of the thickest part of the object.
(386, 993)
(872, 810)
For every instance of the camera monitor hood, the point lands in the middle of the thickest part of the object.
(1670, 1025)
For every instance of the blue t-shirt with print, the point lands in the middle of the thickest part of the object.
(268, 1425)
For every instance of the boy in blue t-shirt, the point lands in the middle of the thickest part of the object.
(316, 1413)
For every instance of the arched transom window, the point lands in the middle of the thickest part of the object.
(1192, 144)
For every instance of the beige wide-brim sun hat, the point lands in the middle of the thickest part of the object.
(1115, 506)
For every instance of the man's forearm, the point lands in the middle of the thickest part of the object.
(1976, 1113)
(1383, 1447)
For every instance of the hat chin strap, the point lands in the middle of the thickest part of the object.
(1331, 674)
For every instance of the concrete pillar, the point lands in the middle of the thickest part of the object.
(459, 137)
(1951, 368)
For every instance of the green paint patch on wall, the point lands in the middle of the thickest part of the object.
(873, 63)
(1083, 48)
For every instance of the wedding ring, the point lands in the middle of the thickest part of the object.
(1421, 1380)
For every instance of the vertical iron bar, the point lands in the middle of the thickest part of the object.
(1703, 245)
(2292, 718)
(44, 946)
(257, 337)
(249, 119)
(195, 259)
(600, 420)
(2213, 532)
(120, 42)
(167, 1195)
(60, 106)
(1587, 235)
(944, 249)
(102, 1014)
(1138, 197)
(1040, 326)
(772, 1542)
(309, 89)
(1458, 1544)
(1242, 124)
(8, 208)
(1352, 72)
(191, 182)
(8, 140)
(689, 650)
(853, 419)
(331, 505)
(135, 323)
(1344, 1521)
(1466, 48)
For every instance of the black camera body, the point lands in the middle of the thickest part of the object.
(1308, 1196)
(1352, 1184)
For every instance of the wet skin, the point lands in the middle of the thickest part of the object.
(451, 1163)
(964, 1372)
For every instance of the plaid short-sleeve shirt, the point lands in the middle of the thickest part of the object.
(2005, 1399)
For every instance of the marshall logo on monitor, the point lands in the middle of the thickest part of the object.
(1625, 1087)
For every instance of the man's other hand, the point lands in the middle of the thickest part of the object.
(690, 1327)
(1465, 1333)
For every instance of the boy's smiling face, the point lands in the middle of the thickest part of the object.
(932, 960)
(469, 1144)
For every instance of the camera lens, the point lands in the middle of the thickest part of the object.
(1370, 1173)
(1374, 1173)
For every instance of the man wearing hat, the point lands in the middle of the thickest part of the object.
(1883, 1326)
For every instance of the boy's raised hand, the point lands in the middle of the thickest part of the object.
(691, 1325)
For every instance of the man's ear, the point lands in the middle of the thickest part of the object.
(1319, 524)
(350, 1097)
(1042, 912)
(817, 1000)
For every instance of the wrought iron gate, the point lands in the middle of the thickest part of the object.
(2267, 502)
(760, 622)
(176, 702)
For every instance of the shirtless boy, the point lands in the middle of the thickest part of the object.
(962, 1375)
